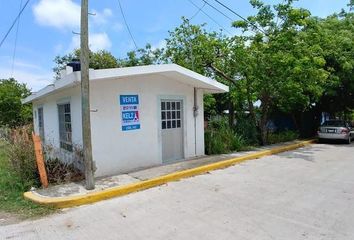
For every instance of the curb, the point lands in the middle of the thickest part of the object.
(65, 202)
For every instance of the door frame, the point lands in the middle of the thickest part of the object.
(184, 121)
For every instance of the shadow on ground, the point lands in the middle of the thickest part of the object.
(308, 153)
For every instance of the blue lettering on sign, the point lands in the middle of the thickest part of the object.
(128, 99)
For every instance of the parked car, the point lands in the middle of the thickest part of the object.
(336, 130)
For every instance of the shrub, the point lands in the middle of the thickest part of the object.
(220, 138)
(59, 172)
(283, 136)
(247, 129)
(20, 153)
(22, 162)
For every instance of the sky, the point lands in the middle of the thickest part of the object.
(47, 28)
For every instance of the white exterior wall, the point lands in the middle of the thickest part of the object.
(117, 151)
(51, 118)
(114, 150)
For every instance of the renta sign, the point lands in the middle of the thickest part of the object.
(129, 107)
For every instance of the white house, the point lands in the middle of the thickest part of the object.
(140, 116)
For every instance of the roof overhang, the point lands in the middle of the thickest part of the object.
(171, 71)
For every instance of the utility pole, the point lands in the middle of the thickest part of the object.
(85, 97)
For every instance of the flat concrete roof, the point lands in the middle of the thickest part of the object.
(170, 71)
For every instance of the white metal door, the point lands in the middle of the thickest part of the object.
(172, 130)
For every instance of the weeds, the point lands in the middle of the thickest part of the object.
(59, 172)
(11, 190)
(220, 138)
(283, 136)
(20, 153)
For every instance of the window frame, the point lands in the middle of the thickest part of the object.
(40, 123)
(171, 114)
(65, 126)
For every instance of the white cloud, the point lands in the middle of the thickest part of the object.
(35, 76)
(57, 13)
(34, 80)
(107, 12)
(101, 18)
(23, 64)
(97, 41)
(65, 14)
(117, 26)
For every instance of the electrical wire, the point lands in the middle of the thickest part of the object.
(201, 10)
(13, 24)
(126, 24)
(197, 12)
(238, 15)
(216, 9)
(15, 46)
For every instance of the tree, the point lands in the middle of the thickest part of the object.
(103, 59)
(192, 47)
(13, 112)
(98, 60)
(286, 72)
(335, 35)
(143, 56)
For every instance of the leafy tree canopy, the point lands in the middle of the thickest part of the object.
(13, 113)
(98, 60)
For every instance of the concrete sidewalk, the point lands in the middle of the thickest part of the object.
(78, 189)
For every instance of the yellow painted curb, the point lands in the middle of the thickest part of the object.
(64, 202)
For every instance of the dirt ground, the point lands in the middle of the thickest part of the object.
(9, 218)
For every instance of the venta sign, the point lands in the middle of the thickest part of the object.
(129, 107)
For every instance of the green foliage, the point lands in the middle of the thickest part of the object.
(61, 62)
(13, 112)
(20, 153)
(143, 56)
(103, 59)
(98, 60)
(284, 136)
(286, 59)
(334, 36)
(11, 190)
(209, 105)
(246, 128)
(282, 70)
(220, 138)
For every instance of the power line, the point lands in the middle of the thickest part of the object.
(216, 9)
(238, 15)
(15, 46)
(126, 24)
(201, 10)
(197, 12)
(13, 24)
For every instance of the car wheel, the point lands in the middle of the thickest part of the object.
(320, 140)
(349, 140)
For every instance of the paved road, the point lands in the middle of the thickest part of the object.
(304, 194)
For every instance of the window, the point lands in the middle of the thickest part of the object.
(65, 133)
(41, 123)
(171, 114)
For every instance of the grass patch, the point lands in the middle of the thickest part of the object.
(11, 191)
(285, 136)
